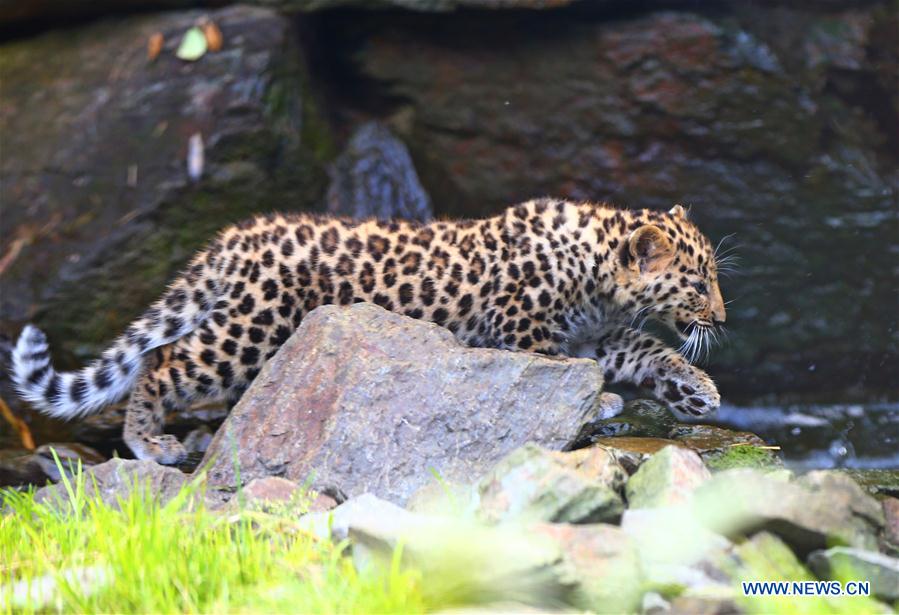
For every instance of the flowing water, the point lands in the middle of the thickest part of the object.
(824, 436)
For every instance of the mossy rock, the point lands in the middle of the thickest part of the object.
(98, 195)
(745, 456)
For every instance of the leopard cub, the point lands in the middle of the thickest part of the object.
(548, 276)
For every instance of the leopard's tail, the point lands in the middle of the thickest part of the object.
(183, 307)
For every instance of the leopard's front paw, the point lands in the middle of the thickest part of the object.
(610, 404)
(688, 391)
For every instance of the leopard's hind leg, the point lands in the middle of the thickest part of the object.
(150, 399)
(208, 365)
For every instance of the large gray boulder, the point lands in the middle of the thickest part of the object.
(361, 400)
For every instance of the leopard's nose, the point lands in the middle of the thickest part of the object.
(718, 313)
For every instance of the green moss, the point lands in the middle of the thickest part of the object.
(742, 457)
(316, 132)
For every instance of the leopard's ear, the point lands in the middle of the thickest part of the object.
(678, 211)
(650, 248)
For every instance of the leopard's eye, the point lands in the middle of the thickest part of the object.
(701, 288)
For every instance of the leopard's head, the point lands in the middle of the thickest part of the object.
(673, 271)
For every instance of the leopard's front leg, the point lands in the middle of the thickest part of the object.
(627, 355)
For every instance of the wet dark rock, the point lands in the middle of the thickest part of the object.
(58, 458)
(38, 467)
(640, 418)
(709, 439)
(631, 452)
(534, 484)
(198, 440)
(352, 401)
(646, 426)
(880, 570)
(13, 12)
(98, 209)
(722, 449)
(374, 178)
(20, 467)
(117, 478)
(776, 124)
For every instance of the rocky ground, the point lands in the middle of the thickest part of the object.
(409, 438)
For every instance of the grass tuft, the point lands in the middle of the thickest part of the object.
(143, 556)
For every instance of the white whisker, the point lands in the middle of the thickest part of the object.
(697, 347)
(643, 322)
(726, 252)
(638, 314)
(723, 239)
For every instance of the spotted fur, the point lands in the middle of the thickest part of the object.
(547, 276)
